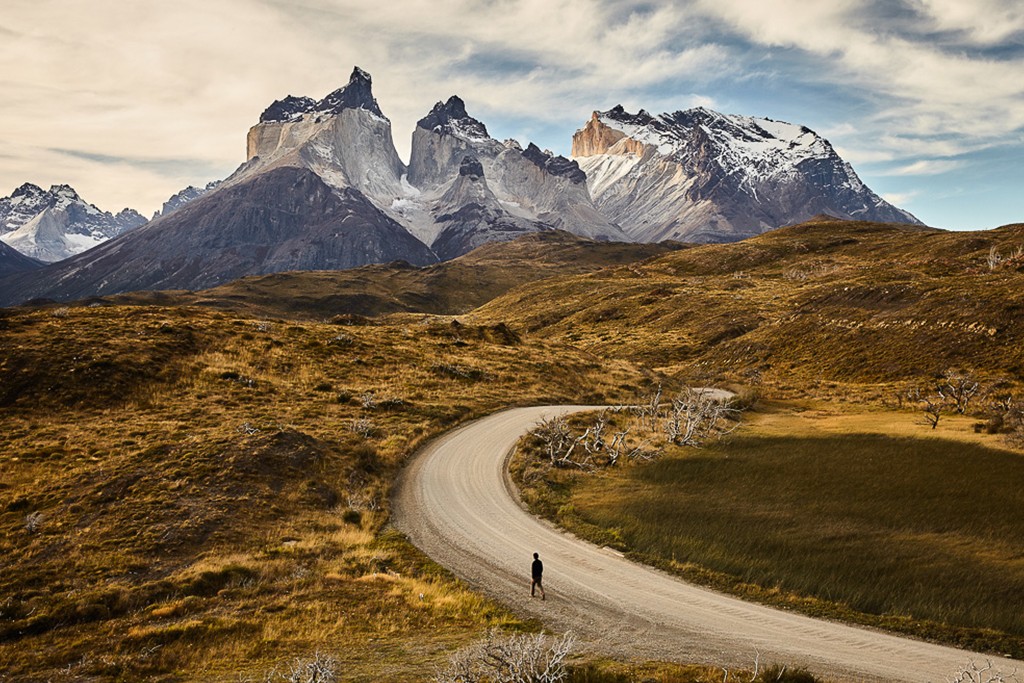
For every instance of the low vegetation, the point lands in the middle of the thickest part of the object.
(195, 485)
(192, 494)
(832, 309)
(453, 287)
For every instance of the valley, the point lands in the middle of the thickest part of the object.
(197, 485)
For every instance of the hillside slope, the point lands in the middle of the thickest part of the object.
(450, 287)
(825, 301)
(192, 495)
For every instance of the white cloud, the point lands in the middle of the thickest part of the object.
(927, 167)
(921, 88)
(901, 198)
(185, 80)
(983, 22)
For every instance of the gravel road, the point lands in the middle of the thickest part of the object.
(455, 502)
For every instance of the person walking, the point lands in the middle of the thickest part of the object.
(537, 571)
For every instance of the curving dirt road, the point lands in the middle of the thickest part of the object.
(456, 503)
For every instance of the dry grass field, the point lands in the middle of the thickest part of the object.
(189, 494)
(194, 486)
(453, 287)
(827, 308)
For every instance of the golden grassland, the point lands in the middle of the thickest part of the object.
(196, 488)
(189, 494)
(452, 287)
(866, 516)
(826, 308)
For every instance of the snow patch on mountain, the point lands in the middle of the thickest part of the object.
(183, 197)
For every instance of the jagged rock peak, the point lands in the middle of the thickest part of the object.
(555, 165)
(451, 117)
(289, 109)
(471, 167)
(619, 113)
(65, 192)
(28, 190)
(357, 94)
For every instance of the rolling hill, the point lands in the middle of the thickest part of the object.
(451, 288)
(824, 301)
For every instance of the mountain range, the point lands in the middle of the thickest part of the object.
(323, 188)
(55, 224)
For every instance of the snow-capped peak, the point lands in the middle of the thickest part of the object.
(54, 224)
(744, 143)
(703, 175)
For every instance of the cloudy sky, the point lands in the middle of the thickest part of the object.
(131, 101)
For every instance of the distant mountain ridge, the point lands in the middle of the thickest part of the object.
(702, 176)
(51, 225)
(328, 170)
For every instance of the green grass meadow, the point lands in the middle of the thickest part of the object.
(927, 534)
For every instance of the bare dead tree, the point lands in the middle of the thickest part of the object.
(650, 409)
(972, 672)
(319, 668)
(520, 658)
(931, 405)
(1001, 402)
(696, 416)
(994, 259)
(563, 448)
(555, 437)
(958, 388)
(617, 447)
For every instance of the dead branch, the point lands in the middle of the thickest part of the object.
(696, 416)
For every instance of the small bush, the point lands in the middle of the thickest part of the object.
(320, 668)
(33, 522)
(781, 674)
(459, 372)
(351, 516)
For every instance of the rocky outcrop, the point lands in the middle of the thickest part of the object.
(698, 175)
(285, 219)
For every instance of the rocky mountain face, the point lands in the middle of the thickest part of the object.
(343, 138)
(470, 215)
(308, 197)
(535, 187)
(51, 225)
(701, 176)
(180, 199)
